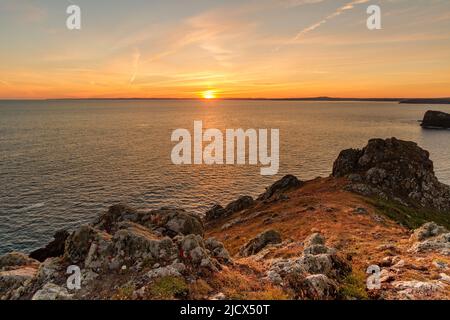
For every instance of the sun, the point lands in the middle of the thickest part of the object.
(210, 94)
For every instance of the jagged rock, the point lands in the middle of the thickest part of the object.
(13, 260)
(174, 222)
(215, 213)
(217, 250)
(286, 183)
(78, 244)
(52, 291)
(428, 230)
(50, 270)
(397, 169)
(218, 212)
(137, 243)
(53, 249)
(319, 287)
(109, 220)
(260, 242)
(436, 120)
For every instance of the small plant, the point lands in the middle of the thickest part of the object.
(125, 292)
(169, 287)
(353, 287)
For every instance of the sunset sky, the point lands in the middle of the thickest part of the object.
(229, 48)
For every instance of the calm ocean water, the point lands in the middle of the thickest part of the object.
(64, 162)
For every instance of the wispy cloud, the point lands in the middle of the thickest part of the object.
(135, 64)
(331, 16)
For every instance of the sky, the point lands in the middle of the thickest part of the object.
(224, 49)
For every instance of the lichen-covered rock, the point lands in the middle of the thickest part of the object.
(393, 168)
(174, 270)
(79, 243)
(417, 289)
(279, 187)
(260, 242)
(428, 230)
(174, 221)
(312, 275)
(137, 243)
(51, 291)
(217, 250)
(319, 287)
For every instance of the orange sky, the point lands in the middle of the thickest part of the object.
(264, 48)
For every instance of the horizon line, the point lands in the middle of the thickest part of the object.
(319, 98)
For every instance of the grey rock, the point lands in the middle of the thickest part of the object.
(51, 291)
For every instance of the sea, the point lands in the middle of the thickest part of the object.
(63, 162)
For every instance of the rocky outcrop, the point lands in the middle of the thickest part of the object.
(314, 275)
(165, 221)
(278, 188)
(436, 120)
(53, 249)
(260, 242)
(394, 169)
(218, 212)
(154, 244)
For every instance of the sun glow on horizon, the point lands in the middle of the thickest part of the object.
(208, 95)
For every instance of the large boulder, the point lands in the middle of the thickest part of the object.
(279, 187)
(135, 243)
(173, 222)
(436, 120)
(395, 169)
(260, 242)
(80, 243)
(319, 287)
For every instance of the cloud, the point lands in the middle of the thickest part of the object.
(135, 63)
(335, 14)
(296, 3)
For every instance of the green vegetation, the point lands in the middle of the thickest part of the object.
(125, 292)
(409, 217)
(169, 287)
(354, 286)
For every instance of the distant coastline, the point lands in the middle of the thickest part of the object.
(331, 99)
